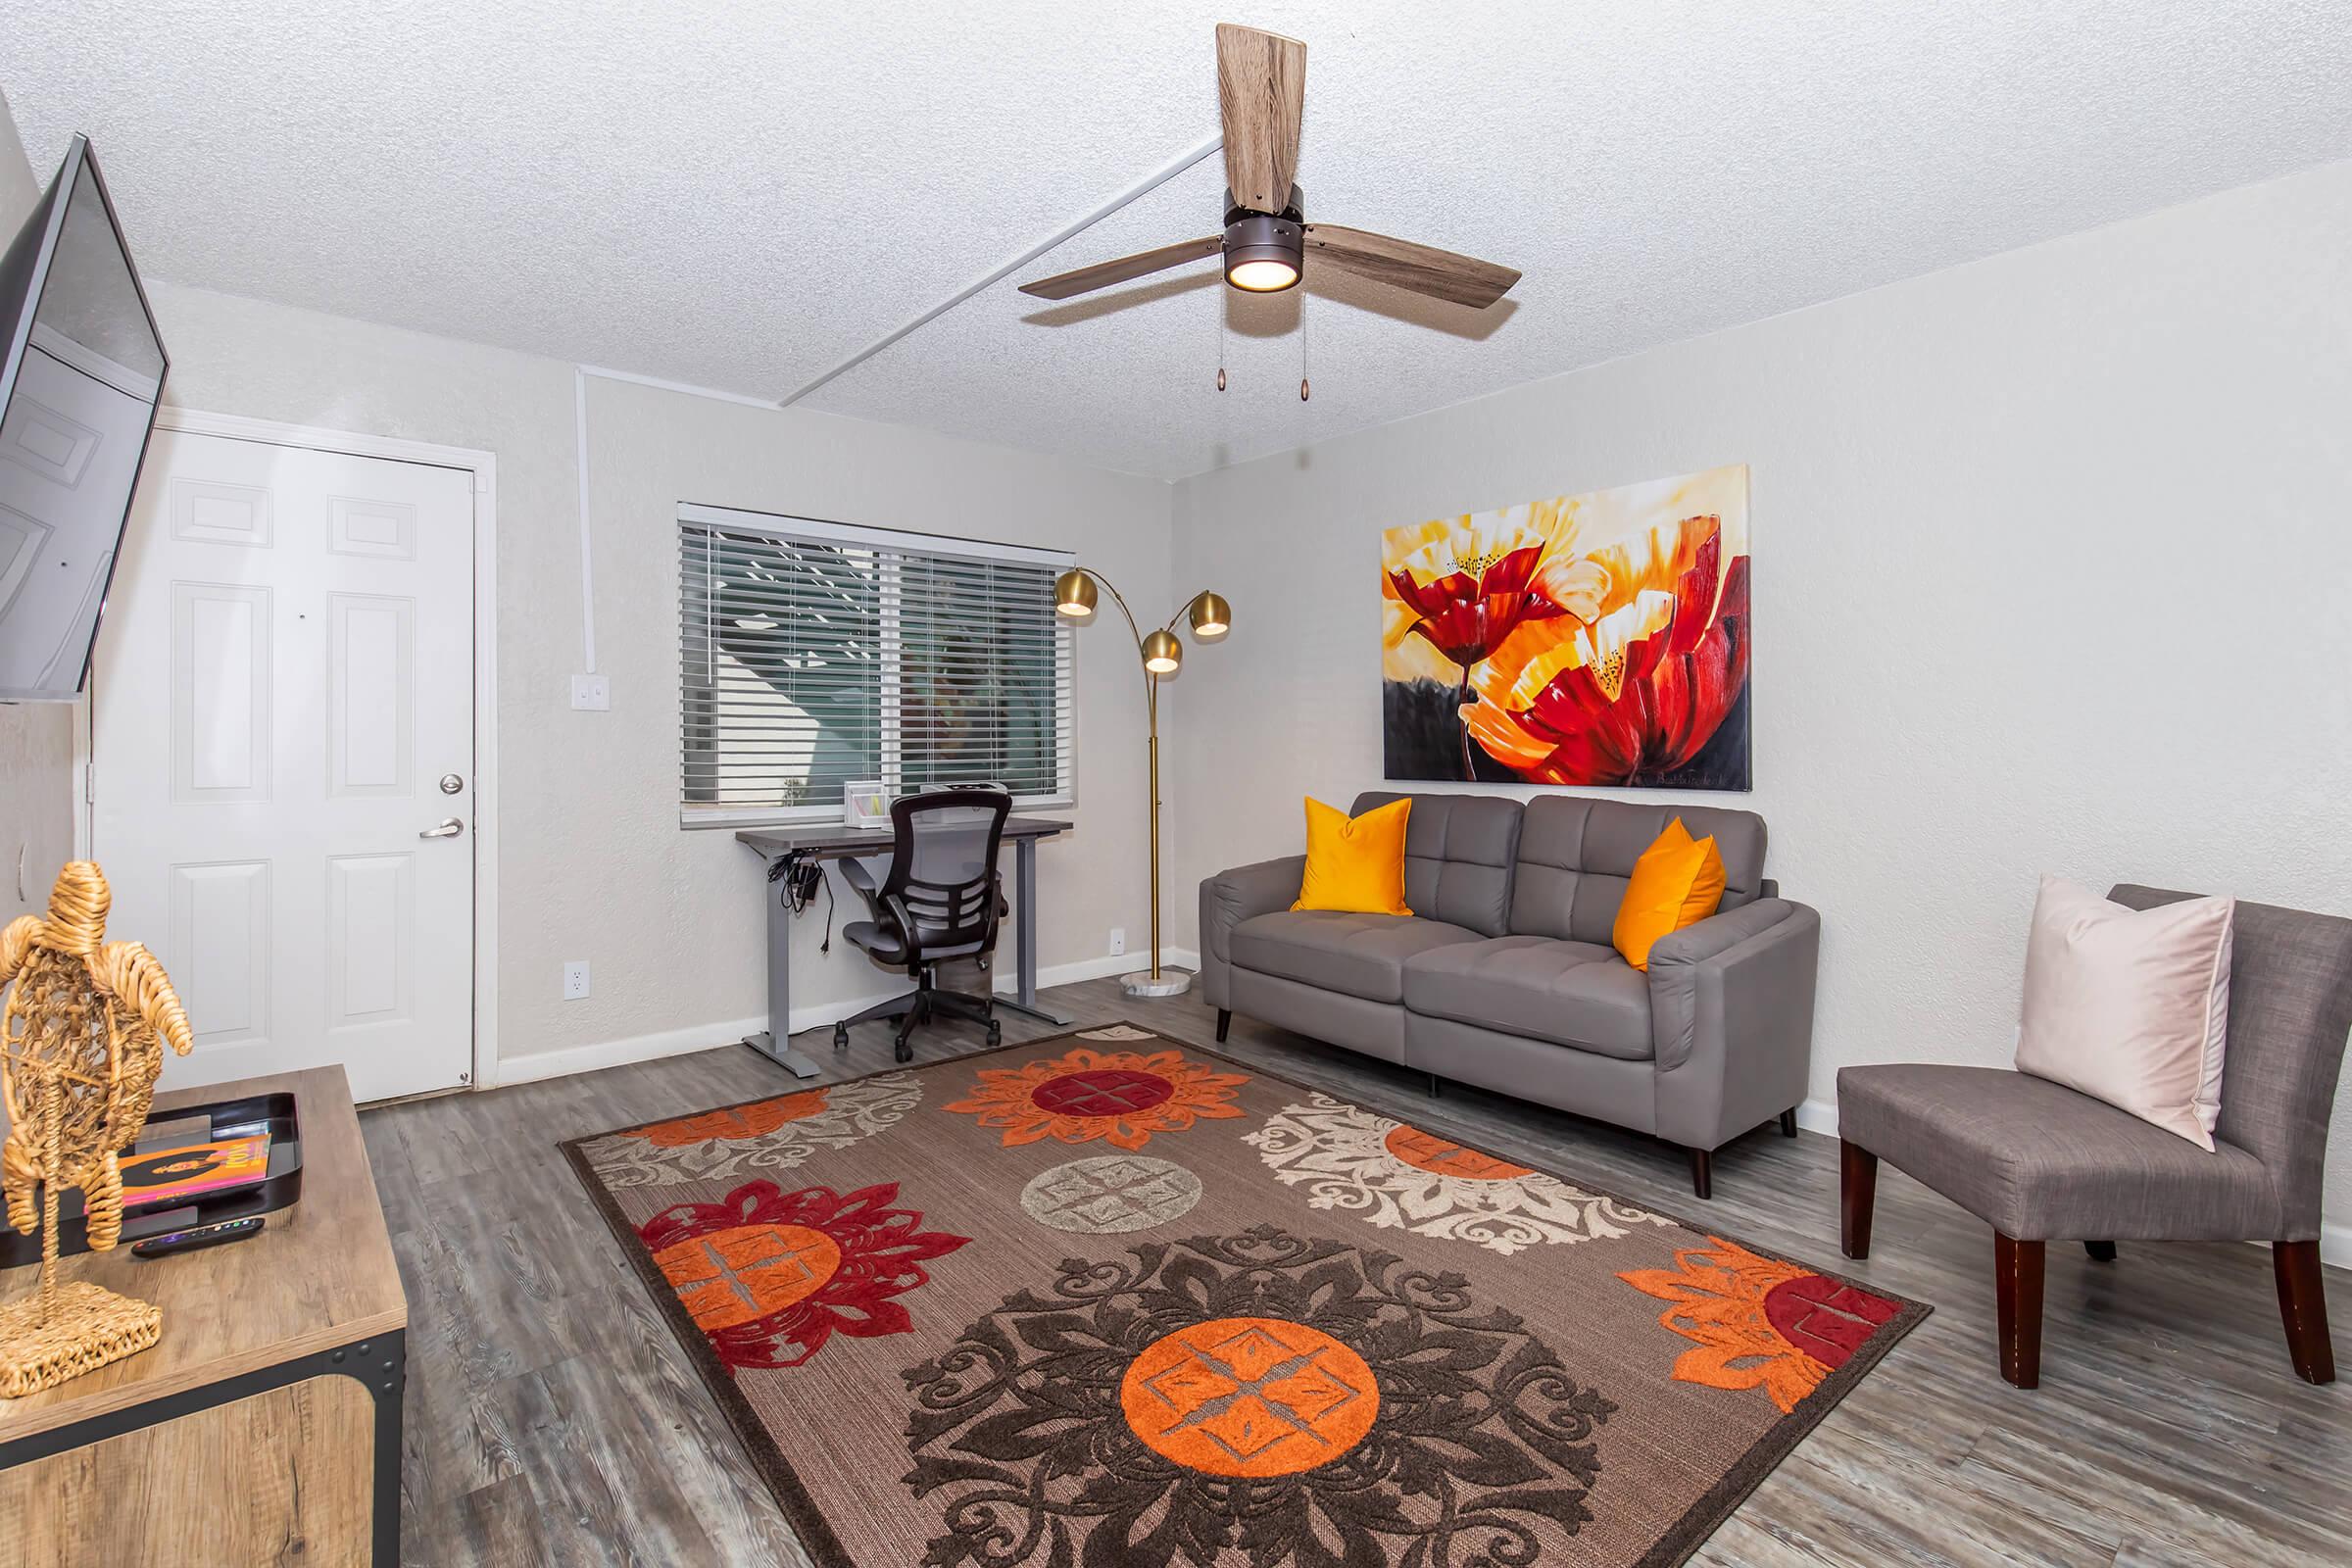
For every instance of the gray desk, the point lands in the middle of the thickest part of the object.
(833, 842)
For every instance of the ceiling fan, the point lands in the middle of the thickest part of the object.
(1261, 90)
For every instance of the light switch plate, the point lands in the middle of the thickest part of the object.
(591, 693)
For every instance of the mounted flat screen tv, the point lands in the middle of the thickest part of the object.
(79, 387)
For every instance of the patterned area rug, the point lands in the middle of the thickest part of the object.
(1105, 1302)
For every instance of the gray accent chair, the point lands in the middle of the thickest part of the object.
(1504, 977)
(2040, 1163)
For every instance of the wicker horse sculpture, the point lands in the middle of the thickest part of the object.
(82, 1030)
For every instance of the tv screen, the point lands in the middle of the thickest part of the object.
(85, 368)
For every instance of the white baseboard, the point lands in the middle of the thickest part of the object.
(569, 1060)
(2335, 1241)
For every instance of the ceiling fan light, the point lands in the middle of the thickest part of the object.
(1269, 276)
(1263, 253)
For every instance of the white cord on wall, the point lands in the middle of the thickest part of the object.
(579, 400)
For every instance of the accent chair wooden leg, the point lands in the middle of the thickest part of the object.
(2303, 1306)
(1702, 1172)
(1789, 1122)
(1224, 1022)
(1436, 1084)
(2017, 1283)
(2100, 1251)
(1857, 1192)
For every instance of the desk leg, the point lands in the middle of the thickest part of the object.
(1024, 936)
(775, 1041)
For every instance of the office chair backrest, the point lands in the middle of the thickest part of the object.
(943, 866)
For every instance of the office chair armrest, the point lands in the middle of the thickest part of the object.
(854, 873)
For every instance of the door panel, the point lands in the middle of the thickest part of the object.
(284, 674)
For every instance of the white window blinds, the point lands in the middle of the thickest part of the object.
(815, 654)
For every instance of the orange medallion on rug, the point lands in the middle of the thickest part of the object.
(756, 1119)
(1121, 1097)
(733, 1276)
(1430, 1153)
(1249, 1396)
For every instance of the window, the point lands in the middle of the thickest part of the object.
(814, 654)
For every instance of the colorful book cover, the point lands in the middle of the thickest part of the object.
(174, 1175)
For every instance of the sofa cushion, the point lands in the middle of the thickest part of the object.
(1575, 856)
(1358, 955)
(1459, 850)
(2039, 1162)
(1570, 992)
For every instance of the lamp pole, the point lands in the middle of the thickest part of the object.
(1161, 652)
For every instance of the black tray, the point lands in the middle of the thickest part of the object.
(280, 1186)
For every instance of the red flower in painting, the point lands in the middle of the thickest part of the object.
(1636, 694)
(768, 1276)
(1473, 589)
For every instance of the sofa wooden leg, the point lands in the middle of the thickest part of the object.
(2303, 1305)
(2100, 1251)
(2017, 1286)
(1224, 1022)
(1789, 1122)
(1857, 1192)
(1702, 1172)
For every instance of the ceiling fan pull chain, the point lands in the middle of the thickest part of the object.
(1220, 340)
(1303, 348)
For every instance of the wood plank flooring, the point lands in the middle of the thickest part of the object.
(552, 1418)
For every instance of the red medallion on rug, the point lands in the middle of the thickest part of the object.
(768, 1276)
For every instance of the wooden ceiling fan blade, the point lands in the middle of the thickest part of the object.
(1261, 92)
(1422, 269)
(1086, 280)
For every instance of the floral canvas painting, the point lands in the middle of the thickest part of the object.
(1599, 639)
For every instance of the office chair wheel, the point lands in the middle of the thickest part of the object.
(996, 1033)
(841, 1037)
(903, 1052)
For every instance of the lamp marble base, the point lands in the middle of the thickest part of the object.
(1171, 983)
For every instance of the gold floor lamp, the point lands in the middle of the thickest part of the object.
(1163, 654)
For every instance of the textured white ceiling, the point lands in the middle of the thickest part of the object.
(736, 195)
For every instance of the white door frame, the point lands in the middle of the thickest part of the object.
(483, 466)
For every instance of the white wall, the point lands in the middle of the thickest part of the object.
(37, 739)
(2052, 561)
(592, 864)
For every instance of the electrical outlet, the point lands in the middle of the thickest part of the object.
(591, 693)
(1118, 940)
(575, 979)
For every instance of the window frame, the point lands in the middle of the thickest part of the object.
(788, 526)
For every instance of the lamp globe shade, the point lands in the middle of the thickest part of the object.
(1163, 653)
(1212, 616)
(1075, 593)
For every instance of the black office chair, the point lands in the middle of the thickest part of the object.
(940, 901)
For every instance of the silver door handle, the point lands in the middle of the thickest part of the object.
(450, 828)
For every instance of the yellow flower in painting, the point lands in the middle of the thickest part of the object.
(1758, 1322)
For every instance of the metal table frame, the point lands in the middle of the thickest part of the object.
(381, 1363)
(833, 842)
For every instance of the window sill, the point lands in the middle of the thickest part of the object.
(702, 818)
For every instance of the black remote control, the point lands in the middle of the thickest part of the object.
(188, 1241)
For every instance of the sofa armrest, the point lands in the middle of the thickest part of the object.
(1731, 1019)
(1227, 899)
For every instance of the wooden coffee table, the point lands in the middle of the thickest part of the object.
(267, 1420)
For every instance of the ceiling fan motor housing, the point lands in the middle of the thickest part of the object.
(1265, 245)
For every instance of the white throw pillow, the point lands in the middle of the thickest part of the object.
(2131, 1006)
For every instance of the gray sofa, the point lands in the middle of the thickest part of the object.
(1504, 976)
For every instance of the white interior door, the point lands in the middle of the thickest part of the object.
(282, 713)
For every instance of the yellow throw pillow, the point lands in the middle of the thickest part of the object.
(1355, 864)
(1676, 883)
